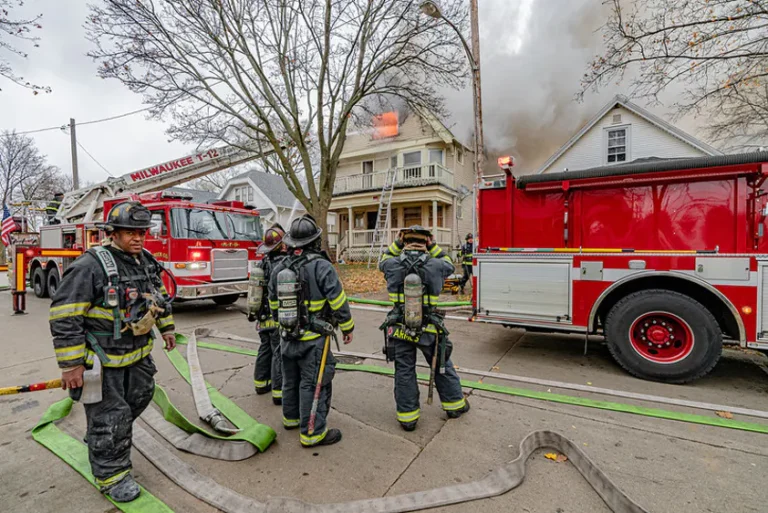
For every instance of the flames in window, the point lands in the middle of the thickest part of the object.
(385, 125)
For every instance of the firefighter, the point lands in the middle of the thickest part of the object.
(309, 302)
(105, 307)
(52, 208)
(465, 256)
(415, 269)
(268, 375)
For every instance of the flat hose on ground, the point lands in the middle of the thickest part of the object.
(498, 482)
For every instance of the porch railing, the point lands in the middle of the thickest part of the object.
(413, 176)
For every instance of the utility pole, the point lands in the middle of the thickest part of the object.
(73, 140)
(479, 148)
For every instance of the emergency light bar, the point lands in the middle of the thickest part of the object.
(506, 163)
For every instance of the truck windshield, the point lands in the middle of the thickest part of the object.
(195, 223)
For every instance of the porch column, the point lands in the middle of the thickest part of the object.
(350, 221)
(434, 218)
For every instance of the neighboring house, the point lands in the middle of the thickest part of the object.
(623, 132)
(196, 195)
(433, 180)
(265, 192)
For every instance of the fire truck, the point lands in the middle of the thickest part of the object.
(667, 259)
(209, 248)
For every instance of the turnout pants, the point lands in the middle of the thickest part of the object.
(269, 369)
(406, 387)
(467, 275)
(126, 392)
(301, 367)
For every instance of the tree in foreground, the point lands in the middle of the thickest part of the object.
(281, 76)
(13, 31)
(716, 51)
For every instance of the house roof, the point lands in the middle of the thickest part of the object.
(198, 196)
(272, 186)
(655, 120)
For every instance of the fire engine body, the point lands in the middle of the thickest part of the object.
(666, 258)
(209, 248)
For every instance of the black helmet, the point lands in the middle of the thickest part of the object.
(469, 236)
(303, 231)
(128, 215)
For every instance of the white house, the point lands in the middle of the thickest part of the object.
(624, 132)
(271, 197)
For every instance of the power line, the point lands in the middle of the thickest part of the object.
(63, 127)
(94, 159)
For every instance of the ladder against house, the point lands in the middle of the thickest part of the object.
(383, 222)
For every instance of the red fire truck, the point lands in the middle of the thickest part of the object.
(209, 248)
(668, 259)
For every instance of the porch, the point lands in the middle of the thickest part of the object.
(412, 176)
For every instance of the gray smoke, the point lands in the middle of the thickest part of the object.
(529, 108)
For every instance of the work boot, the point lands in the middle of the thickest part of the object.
(409, 426)
(455, 414)
(277, 401)
(333, 436)
(262, 390)
(125, 490)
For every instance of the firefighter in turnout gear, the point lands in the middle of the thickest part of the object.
(52, 208)
(104, 309)
(309, 302)
(465, 256)
(268, 375)
(415, 268)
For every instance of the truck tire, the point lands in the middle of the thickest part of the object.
(662, 335)
(53, 281)
(226, 300)
(40, 283)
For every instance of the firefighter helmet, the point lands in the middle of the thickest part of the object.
(128, 215)
(469, 236)
(303, 232)
(272, 239)
(417, 234)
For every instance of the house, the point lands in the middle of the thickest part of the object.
(432, 174)
(271, 197)
(624, 132)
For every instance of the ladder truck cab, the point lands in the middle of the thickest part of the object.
(209, 248)
(667, 259)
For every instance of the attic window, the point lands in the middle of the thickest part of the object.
(616, 119)
(617, 146)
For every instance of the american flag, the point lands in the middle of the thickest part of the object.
(7, 227)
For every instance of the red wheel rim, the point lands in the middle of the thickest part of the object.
(661, 337)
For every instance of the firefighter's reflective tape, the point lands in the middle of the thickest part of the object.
(205, 409)
(497, 482)
(75, 454)
(188, 437)
(260, 435)
(544, 396)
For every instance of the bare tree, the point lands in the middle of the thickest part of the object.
(20, 30)
(281, 75)
(24, 173)
(716, 50)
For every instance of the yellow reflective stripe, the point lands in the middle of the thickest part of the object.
(112, 480)
(312, 440)
(394, 249)
(338, 301)
(274, 304)
(346, 326)
(261, 384)
(66, 354)
(96, 312)
(435, 250)
(448, 259)
(291, 422)
(455, 405)
(386, 256)
(277, 394)
(430, 300)
(316, 306)
(430, 329)
(69, 310)
(396, 297)
(408, 416)
(124, 360)
(165, 322)
(269, 323)
(309, 335)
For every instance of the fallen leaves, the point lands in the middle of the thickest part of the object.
(724, 414)
(359, 279)
(559, 458)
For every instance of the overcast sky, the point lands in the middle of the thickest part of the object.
(533, 54)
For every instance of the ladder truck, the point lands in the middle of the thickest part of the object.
(667, 259)
(209, 248)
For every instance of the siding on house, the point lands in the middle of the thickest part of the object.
(645, 140)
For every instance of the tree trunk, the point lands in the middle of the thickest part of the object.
(320, 213)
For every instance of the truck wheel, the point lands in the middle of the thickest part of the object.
(53, 281)
(39, 283)
(664, 336)
(226, 300)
